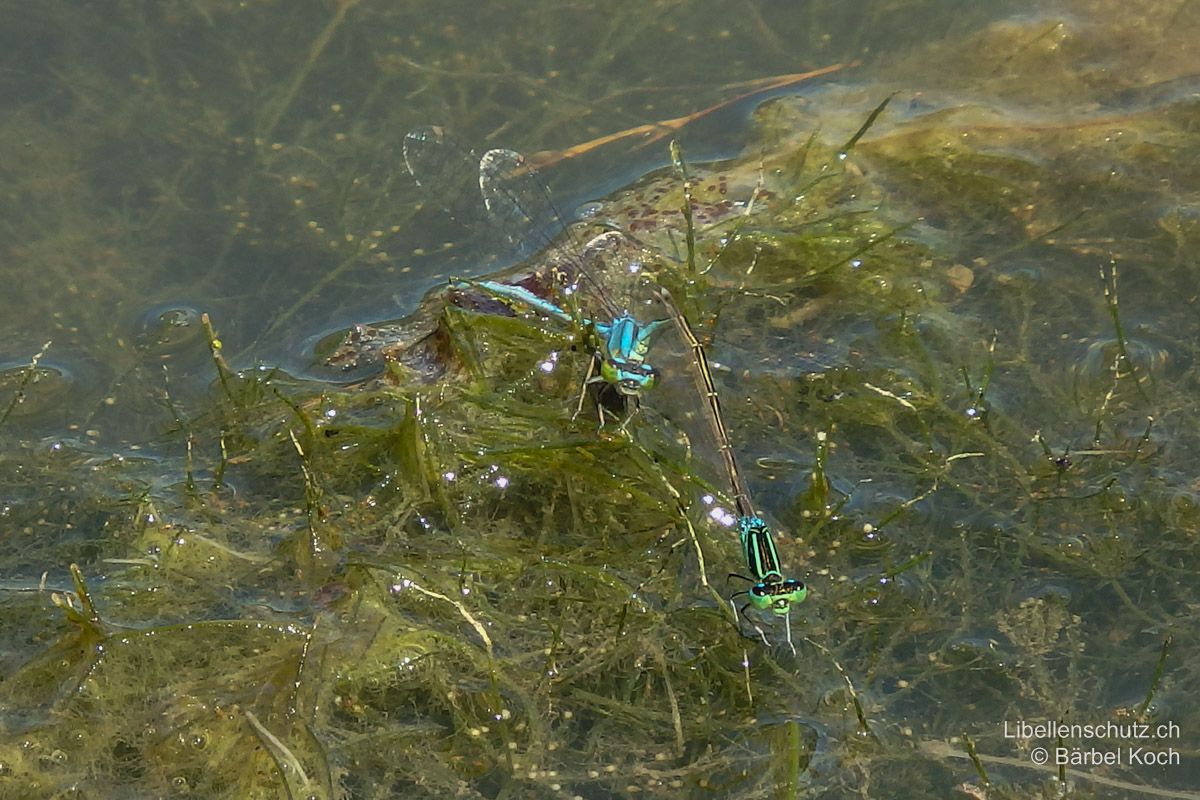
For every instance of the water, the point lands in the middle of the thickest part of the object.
(440, 584)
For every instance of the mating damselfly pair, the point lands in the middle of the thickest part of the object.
(584, 279)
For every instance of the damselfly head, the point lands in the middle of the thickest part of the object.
(778, 595)
(630, 378)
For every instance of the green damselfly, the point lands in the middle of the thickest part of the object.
(769, 589)
(519, 205)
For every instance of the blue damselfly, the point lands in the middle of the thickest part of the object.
(519, 205)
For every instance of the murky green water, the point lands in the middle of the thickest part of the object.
(958, 366)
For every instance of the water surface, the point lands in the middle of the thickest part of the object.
(957, 356)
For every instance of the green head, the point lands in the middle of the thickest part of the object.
(777, 594)
(772, 591)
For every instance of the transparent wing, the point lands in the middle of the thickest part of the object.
(582, 278)
(609, 269)
(616, 266)
(517, 200)
(446, 172)
(502, 191)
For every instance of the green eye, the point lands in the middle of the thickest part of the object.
(778, 596)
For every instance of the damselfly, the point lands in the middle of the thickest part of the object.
(769, 589)
(518, 205)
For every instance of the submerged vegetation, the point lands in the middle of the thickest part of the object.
(958, 363)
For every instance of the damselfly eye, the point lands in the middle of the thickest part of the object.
(632, 378)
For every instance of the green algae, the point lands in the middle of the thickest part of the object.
(432, 587)
(374, 590)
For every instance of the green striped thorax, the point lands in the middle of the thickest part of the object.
(771, 590)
